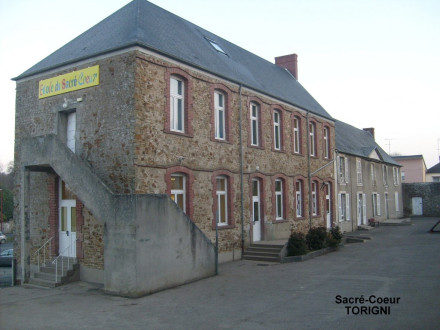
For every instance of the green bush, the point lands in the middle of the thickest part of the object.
(316, 238)
(334, 237)
(296, 245)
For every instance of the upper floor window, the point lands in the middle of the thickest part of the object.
(326, 134)
(255, 124)
(220, 115)
(277, 130)
(395, 176)
(342, 169)
(385, 175)
(296, 135)
(178, 190)
(359, 171)
(373, 174)
(177, 104)
(312, 133)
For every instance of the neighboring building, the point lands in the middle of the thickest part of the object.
(144, 109)
(413, 168)
(433, 174)
(368, 179)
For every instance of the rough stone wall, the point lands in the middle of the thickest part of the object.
(93, 241)
(156, 150)
(430, 194)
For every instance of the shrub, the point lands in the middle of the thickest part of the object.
(336, 233)
(296, 245)
(316, 238)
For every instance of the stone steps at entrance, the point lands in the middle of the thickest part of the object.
(45, 277)
(263, 252)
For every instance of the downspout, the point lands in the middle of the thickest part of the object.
(241, 173)
(309, 175)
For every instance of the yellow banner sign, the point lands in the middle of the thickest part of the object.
(69, 82)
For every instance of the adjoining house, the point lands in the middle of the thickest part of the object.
(433, 173)
(413, 168)
(368, 179)
(138, 138)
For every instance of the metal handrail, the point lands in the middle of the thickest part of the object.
(55, 261)
(44, 252)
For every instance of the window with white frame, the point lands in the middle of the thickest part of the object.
(385, 175)
(396, 200)
(359, 171)
(315, 206)
(178, 190)
(254, 115)
(344, 206)
(296, 135)
(222, 200)
(277, 130)
(326, 143)
(312, 133)
(299, 198)
(396, 176)
(373, 174)
(177, 104)
(279, 200)
(376, 204)
(220, 115)
(342, 169)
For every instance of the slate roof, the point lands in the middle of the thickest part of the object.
(141, 23)
(357, 142)
(434, 169)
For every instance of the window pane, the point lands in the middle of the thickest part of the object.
(255, 191)
(220, 100)
(279, 206)
(180, 114)
(177, 182)
(278, 185)
(256, 211)
(221, 127)
(254, 132)
(222, 208)
(180, 201)
(221, 184)
(179, 88)
(63, 218)
(65, 192)
(73, 219)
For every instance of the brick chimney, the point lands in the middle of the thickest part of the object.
(289, 62)
(370, 130)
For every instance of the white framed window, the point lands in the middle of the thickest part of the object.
(254, 115)
(373, 174)
(279, 200)
(343, 170)
(277, 130)
(315, 207)
(178, 190)
(220, 115)
(222, 200)
(395, 176)
(359, 171)
(385, 175)
(396, 200)
(296, 135)
(376, 204)
(344, 206)
(312, 134)
(177, 105)
(326, 143)
(299, 198)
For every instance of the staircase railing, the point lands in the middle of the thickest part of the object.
(62, 256)
(43, 248)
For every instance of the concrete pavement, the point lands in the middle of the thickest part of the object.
(398, 262)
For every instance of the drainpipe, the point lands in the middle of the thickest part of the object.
(309, 174)
(241, 173)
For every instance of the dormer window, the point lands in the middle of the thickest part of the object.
(216, 46)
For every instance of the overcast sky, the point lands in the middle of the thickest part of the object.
(372, 63)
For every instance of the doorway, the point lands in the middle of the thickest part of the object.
(256, 210)
(67, 222)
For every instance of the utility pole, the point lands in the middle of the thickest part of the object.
(389, 145)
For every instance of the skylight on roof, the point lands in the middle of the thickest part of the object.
(216, 46)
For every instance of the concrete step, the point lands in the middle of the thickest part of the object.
(259, 258)
(263, 252)
(43, 283)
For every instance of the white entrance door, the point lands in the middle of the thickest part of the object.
(387, 211)
(71, 129)
(256, 211)
(417, 206)
(328, 205)
(67, 225)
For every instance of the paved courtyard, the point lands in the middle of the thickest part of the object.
(390, 282)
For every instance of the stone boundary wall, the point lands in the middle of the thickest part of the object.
(430, 194)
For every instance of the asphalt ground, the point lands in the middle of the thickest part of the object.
(397, 272)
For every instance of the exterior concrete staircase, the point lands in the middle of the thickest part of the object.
(263, 252)
(67, 270)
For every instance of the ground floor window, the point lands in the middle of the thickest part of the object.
(178, 190)
(222, 200)
(344, 206)
(376, 204)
